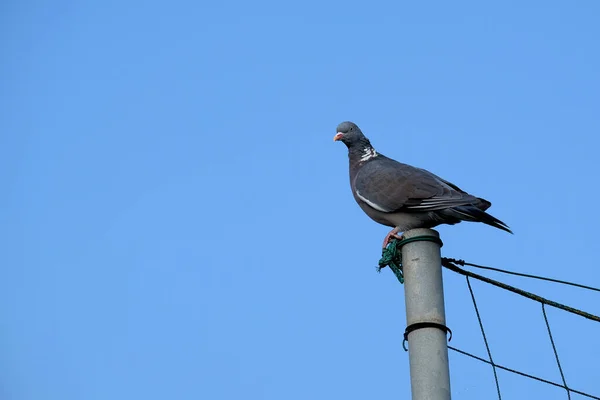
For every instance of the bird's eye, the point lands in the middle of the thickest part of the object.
(351, 129)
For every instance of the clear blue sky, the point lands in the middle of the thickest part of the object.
(176, 222)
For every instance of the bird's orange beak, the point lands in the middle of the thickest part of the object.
(338, 136)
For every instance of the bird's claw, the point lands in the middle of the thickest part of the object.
(393, 234)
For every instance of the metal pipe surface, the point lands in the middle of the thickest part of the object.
(424, 299)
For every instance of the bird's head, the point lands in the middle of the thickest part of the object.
(349, 133)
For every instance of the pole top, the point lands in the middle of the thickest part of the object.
(420, 232)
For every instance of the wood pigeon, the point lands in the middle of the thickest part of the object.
(405, 197)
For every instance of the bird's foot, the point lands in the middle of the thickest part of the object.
(393, 234)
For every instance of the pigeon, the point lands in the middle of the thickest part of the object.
(406, 197)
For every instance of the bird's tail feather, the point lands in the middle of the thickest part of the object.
(471, 213)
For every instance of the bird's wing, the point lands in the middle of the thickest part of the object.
(390, 186)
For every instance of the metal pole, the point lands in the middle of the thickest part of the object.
(424, 298)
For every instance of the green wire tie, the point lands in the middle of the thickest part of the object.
(391, 256)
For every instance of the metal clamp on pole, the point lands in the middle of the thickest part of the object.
(421, 325)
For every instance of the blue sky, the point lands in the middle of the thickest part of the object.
(176, 221)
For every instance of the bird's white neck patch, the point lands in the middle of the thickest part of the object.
(368, 153)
